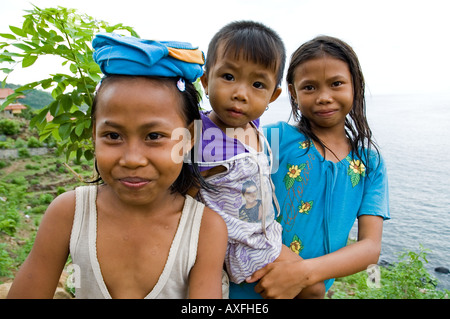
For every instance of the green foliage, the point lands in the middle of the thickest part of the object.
(8, 222)
(23, 152)
(10, 195)
(9, 127)
(406, 279)
(6, 262)
(36, 99)
(33, 142)
(68, 34)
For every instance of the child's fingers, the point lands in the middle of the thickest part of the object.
(257, 275)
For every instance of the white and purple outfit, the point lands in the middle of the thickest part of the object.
(253, 242)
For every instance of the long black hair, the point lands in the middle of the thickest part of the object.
(356, 125)
(190, 174)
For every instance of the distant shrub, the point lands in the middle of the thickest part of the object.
(23, 152)
(38, 209)
(9, 127)
(61, 190)
(8, 143)
(33, 142)
(32, 167)
(20, 143)
(6, 262)
(3, 164)
(19, 180)
(9, 221)
(45, 199)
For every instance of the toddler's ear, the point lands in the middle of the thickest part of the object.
(275, 94)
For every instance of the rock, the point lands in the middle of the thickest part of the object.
(4, 288)
(60, 292)
(442, 270)
(384, 263)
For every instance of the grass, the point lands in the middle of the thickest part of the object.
(27, 186)
(405, 279)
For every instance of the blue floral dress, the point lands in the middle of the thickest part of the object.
(319, 199)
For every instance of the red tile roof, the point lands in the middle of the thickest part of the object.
(4, 93)
(15, 107)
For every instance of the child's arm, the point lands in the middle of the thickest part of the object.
(40, 273)
(277, 278)
(205, 279)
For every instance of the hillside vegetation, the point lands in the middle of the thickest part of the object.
(27, 185)
(35, 99)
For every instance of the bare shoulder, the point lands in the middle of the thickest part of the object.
(213, 231)
(62, 208)
(213, 222)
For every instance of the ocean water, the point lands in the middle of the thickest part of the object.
(413, 134)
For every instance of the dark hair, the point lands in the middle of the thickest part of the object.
(356, 124)
(247, 185)
(254, 40)
(190, 174)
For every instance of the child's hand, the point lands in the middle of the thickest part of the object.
(276, 278)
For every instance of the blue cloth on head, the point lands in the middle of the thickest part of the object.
(126, 55)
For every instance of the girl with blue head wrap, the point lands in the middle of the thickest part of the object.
(135, 234)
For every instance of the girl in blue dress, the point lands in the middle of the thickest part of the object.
(330, 173)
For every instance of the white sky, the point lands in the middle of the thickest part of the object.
(403, 45)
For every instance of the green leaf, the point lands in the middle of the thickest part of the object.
(6, 70)
(66, 102)
(79, 129)
(18, 31)
(29, 60)
(288, 182)
(38, 119)
(23, 47)
(64, 130)
(46, 83)
(355, 178)
(88, 155)
(73, 68)
(28, 26)
(8, 36)
(54, 108)
(61, 119)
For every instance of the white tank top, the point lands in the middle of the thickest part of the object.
(87, 276)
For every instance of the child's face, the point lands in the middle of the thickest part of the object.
(250, 194)
(239, 90)
(132, 134)
(323, 90)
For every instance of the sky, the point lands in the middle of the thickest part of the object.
(402, 45)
